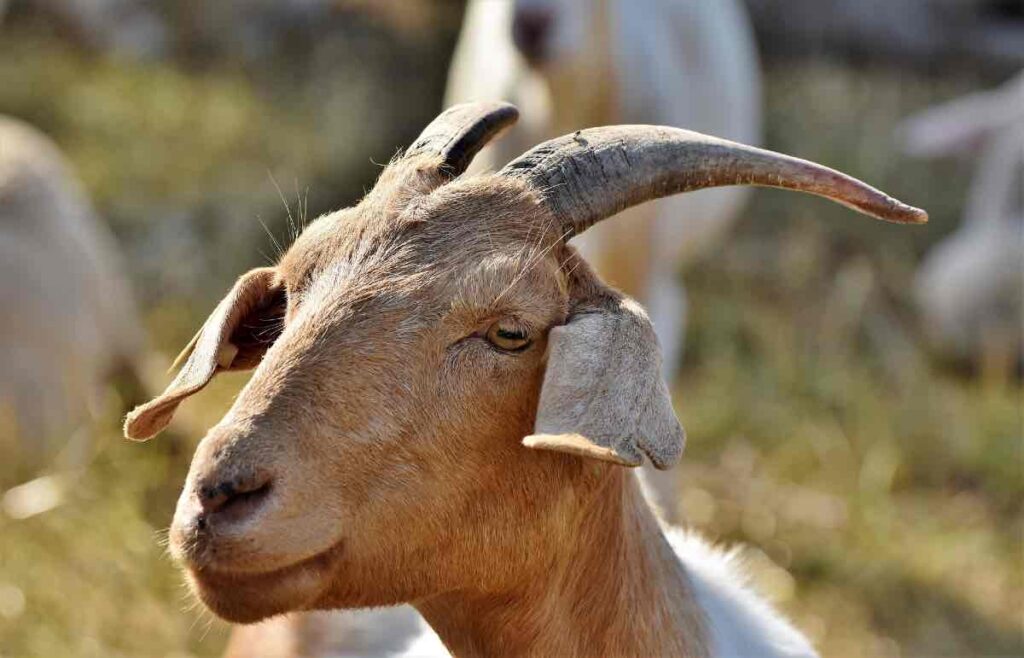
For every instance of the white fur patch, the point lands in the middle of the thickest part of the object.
(740, 623)
(378, 633)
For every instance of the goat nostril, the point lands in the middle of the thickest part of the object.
(232, 495)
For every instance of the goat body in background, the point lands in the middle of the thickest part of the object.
(969, 287)
(69, 321)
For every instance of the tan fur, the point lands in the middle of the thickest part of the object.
(390, 432)
(579, 604)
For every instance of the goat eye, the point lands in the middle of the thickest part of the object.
(510, 339)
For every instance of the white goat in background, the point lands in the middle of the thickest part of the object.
(69, 322)
(969, 286)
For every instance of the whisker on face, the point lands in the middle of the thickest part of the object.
(533, 259)
(284, 202)
(278, 249)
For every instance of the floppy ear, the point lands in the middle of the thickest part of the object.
(234, 337)
(603, 395)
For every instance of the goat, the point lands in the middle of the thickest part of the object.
(969, 285)
(71, 323)
(403, 348)
(683, 63)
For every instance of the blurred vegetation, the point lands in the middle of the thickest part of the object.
(886, 489)
(187, 157)
(883, 490)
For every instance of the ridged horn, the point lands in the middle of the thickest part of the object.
(592, 174)
(458, 133)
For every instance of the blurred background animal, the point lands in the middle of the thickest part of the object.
(969, 287)
(70, 323)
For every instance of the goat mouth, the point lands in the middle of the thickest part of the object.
(319, 562)
(248, 596)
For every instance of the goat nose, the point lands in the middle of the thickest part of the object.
(530, 29)
(232, 498)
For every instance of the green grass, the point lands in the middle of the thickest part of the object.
(883, 492)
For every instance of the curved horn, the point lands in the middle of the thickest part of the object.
(459, 132)
(595, 173)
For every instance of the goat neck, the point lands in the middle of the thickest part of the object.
(611, 586)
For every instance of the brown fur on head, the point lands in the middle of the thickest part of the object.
(382, 414)
(403, 350)
(385, 426)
